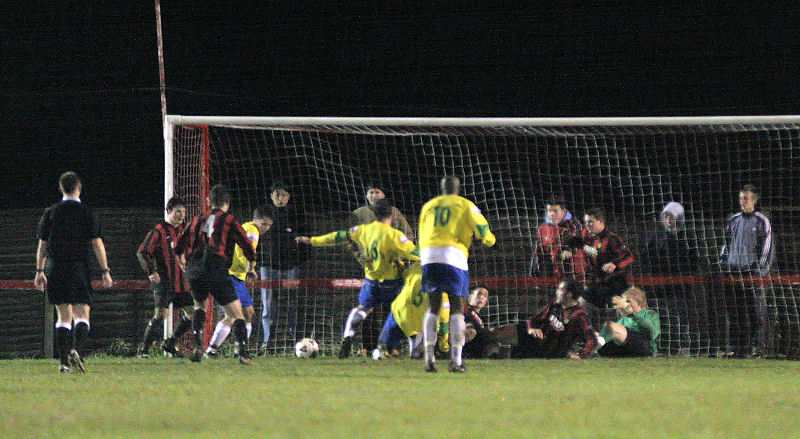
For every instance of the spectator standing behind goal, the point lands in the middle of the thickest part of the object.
(281, 259)
(555, 329)
(68, 233)
(447, 225)
(156, 255)
(241, 271)
(365, 215)
(559, 227)
(666, 253)
(748, 252)
(382, 247)
(608, 258)
(208, 244)
(636, 333)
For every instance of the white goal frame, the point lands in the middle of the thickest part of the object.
(550, 125)
(173, 120)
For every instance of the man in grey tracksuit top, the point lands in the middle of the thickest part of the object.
(749, 252)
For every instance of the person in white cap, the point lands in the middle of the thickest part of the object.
(667, 253)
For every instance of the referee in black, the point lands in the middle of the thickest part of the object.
(68, 233)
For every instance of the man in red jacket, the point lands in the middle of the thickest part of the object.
(553, 235)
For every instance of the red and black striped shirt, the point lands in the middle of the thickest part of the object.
(158, 253)
(217, 233)
(610, 248)
(561, 328)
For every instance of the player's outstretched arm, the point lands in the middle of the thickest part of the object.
(332, 239)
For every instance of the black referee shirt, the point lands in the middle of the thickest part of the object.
(69, 227)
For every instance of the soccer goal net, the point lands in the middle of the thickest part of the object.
(632, 168)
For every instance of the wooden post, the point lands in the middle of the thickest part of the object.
(48, 328)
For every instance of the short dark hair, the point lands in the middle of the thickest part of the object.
(261, 212)
(175, 202)
(556, 200)
(450, 184)
(573, 287)
(277, 185)
(382, 209)
(597, 213)
(69, 182)
(750, 188)
(220, 195)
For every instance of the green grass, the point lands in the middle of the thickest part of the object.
(329, 398)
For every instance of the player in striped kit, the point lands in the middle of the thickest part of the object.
(156, 255)
(241, 270)
(208, 243)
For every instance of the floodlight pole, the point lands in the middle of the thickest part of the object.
(168, 164)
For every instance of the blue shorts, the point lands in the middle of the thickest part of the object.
(392, 335)
(374, 292)
(445, 278)
(242, 292)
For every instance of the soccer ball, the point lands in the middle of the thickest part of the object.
(306, 348)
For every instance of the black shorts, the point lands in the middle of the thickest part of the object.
(637, 344)
(68, 284)
(219, 287)
(600, 294)
(163, 297)
(209, 275)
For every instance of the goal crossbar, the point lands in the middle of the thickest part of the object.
(480, 121)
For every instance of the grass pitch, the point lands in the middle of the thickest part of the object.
(329, 398)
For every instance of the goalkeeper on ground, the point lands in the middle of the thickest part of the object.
(382, 248)
(636, 333)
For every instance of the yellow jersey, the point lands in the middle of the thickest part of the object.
(239, 263)
(410, 305)
(447, 224)
(381, 248)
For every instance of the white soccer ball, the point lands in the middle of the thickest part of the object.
(306, 348)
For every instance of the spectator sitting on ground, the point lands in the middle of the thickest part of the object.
(479, 338)
(552, 333)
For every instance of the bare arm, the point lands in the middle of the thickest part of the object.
(40, 281)
(151, 274)
(100, 253)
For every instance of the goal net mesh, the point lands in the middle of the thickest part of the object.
(510, 172)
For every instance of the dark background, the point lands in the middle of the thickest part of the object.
(79, 82)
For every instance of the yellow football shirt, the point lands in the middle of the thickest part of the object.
(451, 221)
(239, 262)
(381, 247)
(410, 305)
